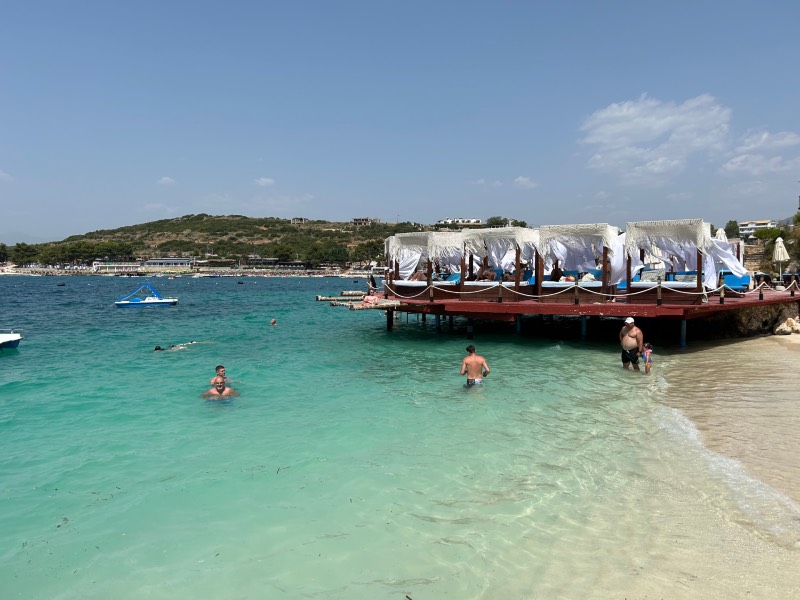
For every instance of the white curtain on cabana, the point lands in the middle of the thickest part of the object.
(577, 247)
(680, 240)
(447, 248)
(408, 249)
(619, 266)
(528, 240)
(500, 245)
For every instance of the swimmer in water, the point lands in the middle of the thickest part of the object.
(220, 389)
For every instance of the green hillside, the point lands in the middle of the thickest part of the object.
(230, 236)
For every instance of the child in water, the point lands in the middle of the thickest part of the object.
(648, 357)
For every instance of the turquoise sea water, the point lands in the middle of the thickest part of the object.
(352, 465)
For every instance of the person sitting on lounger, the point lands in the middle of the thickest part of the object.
(486, 273)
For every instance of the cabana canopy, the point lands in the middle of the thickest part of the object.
(678, 242)
(500, 244)
(409, 248)
(577, 247)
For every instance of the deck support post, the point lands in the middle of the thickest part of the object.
(722, 294)
(658, 293)
(450, 322)
(518, 324)
(424, 317)
(470, 329)
(761, 291)
(438, 321)
(584, 319)
(577, 296)
(389, 319)
(683, 333)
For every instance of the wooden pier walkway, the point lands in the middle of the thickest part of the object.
(621, 305)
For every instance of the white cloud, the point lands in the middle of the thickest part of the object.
(757, 165)
(264, 182)
(525, 183)
(166, 181)
(764, 140)
(757, 154)
(5, 176)
(482, 181)
(646, 141)
(748, 190)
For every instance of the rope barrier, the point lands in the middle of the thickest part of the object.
(627, 294)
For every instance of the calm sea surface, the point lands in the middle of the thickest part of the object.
(354, 465)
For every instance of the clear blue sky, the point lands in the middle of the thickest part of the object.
(118, 113)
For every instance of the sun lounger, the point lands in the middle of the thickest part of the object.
(418, 290)
(735, 283)
(564, 292)
(489, 291)
(672, 292)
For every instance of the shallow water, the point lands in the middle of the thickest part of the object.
(355, 465)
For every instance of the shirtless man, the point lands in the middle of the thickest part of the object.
(220, 389)
(220, 370)
(632, 342)
(474, 367)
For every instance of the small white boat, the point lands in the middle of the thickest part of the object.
(9, 338)
(143, 296)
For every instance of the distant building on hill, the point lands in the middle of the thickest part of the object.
(748, 228)
(168, 263)
(460, 221)
(363, 221)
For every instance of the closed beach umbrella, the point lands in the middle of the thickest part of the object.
(780, 255)
(721, 235)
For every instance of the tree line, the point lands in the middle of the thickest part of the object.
(239, 238)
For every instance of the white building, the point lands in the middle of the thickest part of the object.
(748, 228)
(459, 221)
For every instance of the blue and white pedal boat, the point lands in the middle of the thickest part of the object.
(10, 338)
(143, 296)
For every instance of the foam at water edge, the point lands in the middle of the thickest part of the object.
(766, 508)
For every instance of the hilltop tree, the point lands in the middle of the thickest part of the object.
(504, 222)
(732, 229)
(22, 253)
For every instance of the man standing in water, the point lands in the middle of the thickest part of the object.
(219, 389)
(474, 367)
(631, 340)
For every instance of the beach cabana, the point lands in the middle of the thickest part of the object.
(581, 250)
(505, 250)
(695, 259)
(406, 251)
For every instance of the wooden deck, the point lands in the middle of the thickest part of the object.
(683, 308)
(641, 306)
